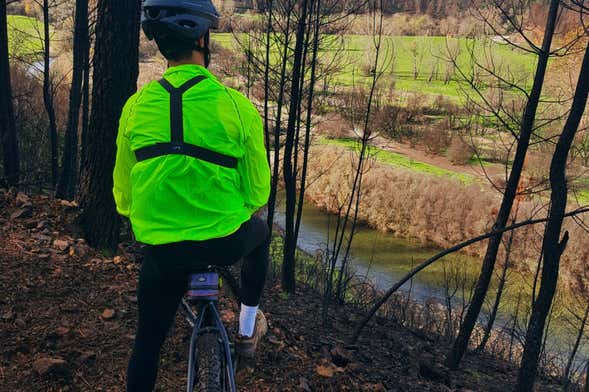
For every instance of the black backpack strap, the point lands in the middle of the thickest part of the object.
(161, 149)
(177, 144)
(176, 115)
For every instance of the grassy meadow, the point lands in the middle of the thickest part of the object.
(25, 36)
(400, 54)
(401, 161)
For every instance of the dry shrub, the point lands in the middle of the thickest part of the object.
(436, 140)
(432, 209)
(333, 125)
(392, 197)
(225, 62)
(459, 152)
(152, 70)
(31, 127)
(147, 49)
(538, 166)
(443, 105)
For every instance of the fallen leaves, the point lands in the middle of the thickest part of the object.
(21, 213)
(61, 244)
(325, 371)
(328, 369)
(46, 365)
(228, 316)
(108, 314)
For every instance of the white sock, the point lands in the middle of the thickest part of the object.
(247, 320)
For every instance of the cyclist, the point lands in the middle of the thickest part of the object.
(190, 173)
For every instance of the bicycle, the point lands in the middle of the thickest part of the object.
(211, 366)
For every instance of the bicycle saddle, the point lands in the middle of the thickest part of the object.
(203, 286)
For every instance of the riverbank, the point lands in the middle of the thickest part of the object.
(68, 317)
(432, 209)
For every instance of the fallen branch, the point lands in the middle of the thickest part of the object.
(446, 252)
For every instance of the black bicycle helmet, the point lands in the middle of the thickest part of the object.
(187, 20)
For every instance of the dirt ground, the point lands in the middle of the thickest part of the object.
(493, 170)
(68, 314)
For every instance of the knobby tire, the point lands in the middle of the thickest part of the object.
(209, 364)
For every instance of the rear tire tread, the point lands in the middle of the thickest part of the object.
(209, 364)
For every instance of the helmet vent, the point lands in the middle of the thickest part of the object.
(152, 13)
(187, 23)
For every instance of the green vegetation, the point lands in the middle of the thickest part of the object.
(402, 161)
(25, 36)
(429, 53)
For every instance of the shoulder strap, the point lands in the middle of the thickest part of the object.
(176, 119)
(177, 144)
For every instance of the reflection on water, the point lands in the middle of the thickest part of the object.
(380, 256)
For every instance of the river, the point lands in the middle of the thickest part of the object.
(384, 259)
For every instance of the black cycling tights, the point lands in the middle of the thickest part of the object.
(163, 280)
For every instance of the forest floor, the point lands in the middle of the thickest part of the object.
(68, 314)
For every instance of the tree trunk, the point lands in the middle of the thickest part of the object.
(267, 81)
(67, 181)
(278, 122)
(85, 109)
(311, 95)
(7, 125)
(527, 126)
(290, 241)
(502, 282)
(571, 360)
(552, 246)
(586, 389)
(48, 96)
(114, 80)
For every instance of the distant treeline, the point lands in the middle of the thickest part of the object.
(434, 8)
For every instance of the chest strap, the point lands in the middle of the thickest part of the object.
(177, 146)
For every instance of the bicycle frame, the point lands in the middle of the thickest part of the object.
(207, 319)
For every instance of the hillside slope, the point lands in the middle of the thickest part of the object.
(68, 314)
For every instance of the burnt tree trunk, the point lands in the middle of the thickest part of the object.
(502, 282)
(289, 171)
(552, 245)
(48, 95)
(7, 125)
(85, 109)
(114, 80)
(527, 126)
(67, 182)
(278, 118)
(571, 360)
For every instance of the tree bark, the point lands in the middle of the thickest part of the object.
(290, 241)
(527, 126)
(552, 246)
(278, 122)
(7, 122)
(48, 96)
(114, 80)
(67, 181)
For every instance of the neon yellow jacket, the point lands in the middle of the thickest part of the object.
(176, 198)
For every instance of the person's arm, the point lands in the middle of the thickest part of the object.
(124, 163)
(253, 167)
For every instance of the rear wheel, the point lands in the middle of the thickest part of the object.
(209, 364)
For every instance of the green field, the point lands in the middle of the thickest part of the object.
(25, 36)
(398, 160)
(354, 54)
